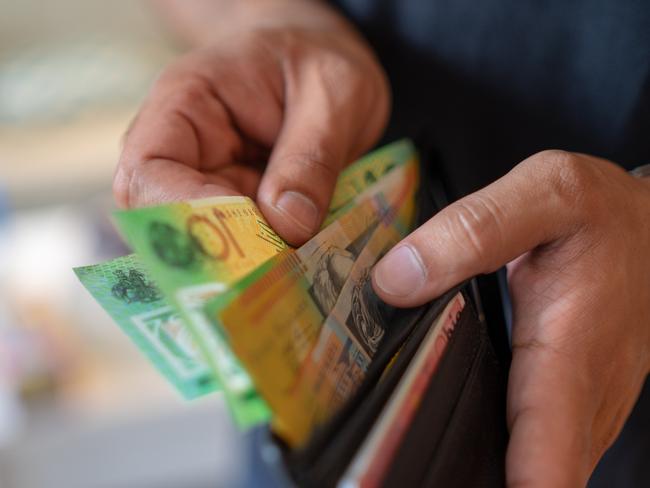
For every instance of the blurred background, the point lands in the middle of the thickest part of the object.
(79, 405)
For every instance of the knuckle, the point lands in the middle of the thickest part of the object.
(569, 177)
(346, 76)
(121, 186)
(475, 225)
(181, 85)
(192, 94)
(344, 89)
(129, 185)
(339, 66)
(317, 164)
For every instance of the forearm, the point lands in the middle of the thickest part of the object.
(200, 22)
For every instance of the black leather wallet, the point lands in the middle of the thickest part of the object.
(456, 434)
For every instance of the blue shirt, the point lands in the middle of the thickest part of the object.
(486, 83)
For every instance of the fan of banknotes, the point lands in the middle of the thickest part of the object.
(218, 301)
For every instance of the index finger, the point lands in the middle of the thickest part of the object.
(181, 133)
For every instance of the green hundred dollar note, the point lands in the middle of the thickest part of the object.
(122, 288)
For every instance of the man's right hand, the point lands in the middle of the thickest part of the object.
(268, 109)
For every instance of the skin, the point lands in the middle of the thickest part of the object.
(291, 83)
(575, 232)
(288, 82)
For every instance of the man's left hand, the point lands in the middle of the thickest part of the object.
(575, 233)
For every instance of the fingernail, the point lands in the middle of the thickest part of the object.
(300, 209)
(400, 272)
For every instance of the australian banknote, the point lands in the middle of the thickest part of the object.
(194, 251)
(275, 316)
(281, 306)
(185, 248)
(122, 287)
(362, 174)
(380, 446)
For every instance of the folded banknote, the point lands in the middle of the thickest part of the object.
(190, 255)
(292, 321)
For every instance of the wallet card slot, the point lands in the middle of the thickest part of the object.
(408, 467)
(329, 452)
(471, 452)
(458, 437)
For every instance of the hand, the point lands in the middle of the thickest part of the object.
(575, 231)
(298, 89)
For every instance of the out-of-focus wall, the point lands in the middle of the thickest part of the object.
(80, 407)
(72, 73)
(27, 22)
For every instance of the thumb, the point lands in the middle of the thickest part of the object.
(534, 204)
(322, 131)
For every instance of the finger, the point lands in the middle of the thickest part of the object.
(160, 180)
(321, 133)
(534, 204)
(182, 121)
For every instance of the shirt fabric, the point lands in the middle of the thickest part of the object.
(490, 83)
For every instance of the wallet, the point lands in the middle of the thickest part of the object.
(409, 424)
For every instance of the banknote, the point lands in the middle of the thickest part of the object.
(273, 317)
(347, 342)
(356, 324)
(353, 181)
(193, 288)
(122, 288)
(375, 454)
(323, 256)
(194, 251)
(365, 172)
(278, 309)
